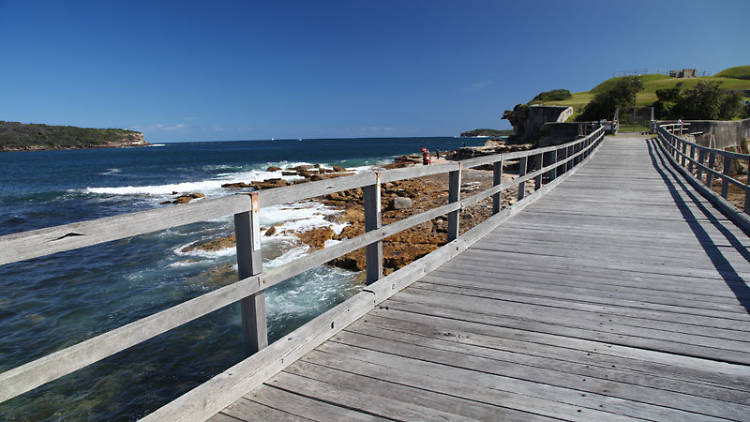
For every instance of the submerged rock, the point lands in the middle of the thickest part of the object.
(187, 197)
(212, 245)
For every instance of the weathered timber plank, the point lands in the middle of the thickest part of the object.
(579, 357)
(547, 368)
(366, 386)
(305, 406)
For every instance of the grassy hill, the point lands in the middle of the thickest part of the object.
(731, 79)
(15, 136)
(737, 72)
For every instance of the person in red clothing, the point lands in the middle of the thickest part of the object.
(426, 157)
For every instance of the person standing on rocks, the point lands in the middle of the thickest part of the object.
(425, 156)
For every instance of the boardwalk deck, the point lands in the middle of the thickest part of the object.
(620, 295)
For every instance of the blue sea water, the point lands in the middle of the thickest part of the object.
(53, 302)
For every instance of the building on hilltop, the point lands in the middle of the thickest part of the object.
(684, 73)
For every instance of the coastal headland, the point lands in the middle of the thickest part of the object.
(15, 136)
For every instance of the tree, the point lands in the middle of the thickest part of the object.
(604, 104)
(731, 106)
(707, 101)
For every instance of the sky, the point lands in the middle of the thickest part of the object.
(222, 70)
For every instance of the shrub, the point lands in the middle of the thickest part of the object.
(554, 95)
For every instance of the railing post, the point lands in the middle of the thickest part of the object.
(691, 164)
(747, 189)
(567, 163)
(554, 174)
(539, 165)
(684, 152)
(497, 179)
(701, 160)
(710, 175)
(250, 263)
(454, 195)
(521, 173)
(373, 221)
(724, 180)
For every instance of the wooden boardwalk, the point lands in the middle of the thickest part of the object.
(620, 295)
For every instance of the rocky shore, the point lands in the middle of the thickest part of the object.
(399, 200)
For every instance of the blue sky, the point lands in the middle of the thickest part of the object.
(216, 70)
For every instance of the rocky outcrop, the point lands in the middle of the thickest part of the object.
(528, 121)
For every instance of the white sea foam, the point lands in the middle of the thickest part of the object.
(287, 257)
(210, 187)
(110, 172)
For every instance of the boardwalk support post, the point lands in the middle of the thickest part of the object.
(724, 180)
(373, 221)
(250, 263)
(554, 172)
(454, 195)
(710, 175)
(701, 161)
(521, 173)
(539, 165)
(497, 178)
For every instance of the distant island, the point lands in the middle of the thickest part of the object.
(15, 136)
(486, 132)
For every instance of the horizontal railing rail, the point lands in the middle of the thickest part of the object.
(698, 159)
(249, 289)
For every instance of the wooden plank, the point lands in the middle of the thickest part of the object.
(31, 244)
(245, 410)
(452, 406)
(488, 381)
(563, 374)
(555, 352)
(304, 406)
(299, 192)
(224, 389)
(461, 383)
(464, 330)
(374, 405)
(608, 332)
(55, 365)
(416, 171)
(625, 315)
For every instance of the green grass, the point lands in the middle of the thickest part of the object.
(737, 72)
(653, 82)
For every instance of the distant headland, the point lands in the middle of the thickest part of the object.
(15, 136)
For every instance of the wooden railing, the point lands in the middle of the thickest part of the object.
(549, 163)
(703, 163)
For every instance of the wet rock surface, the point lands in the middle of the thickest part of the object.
(399, 199)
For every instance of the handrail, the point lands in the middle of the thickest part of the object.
(252, 284)
(683, 153)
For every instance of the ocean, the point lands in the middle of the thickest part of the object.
(53, 302)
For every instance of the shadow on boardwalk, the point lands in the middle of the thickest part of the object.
(684, 196)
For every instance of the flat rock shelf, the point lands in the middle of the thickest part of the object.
(620, 295)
